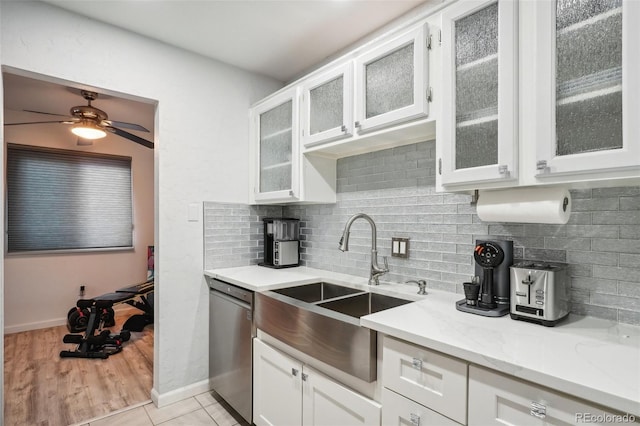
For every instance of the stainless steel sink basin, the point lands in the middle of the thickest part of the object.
(323, 321)
(363, 304)
(316, 292)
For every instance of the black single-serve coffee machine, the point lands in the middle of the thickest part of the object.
(489, 291)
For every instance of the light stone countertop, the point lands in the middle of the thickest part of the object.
(590, 358)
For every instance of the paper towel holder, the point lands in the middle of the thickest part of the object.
(538, 204)
(474, 197)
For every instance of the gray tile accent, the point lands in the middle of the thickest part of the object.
(396, 187)
(233, 234)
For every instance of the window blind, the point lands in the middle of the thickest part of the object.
(64, 200)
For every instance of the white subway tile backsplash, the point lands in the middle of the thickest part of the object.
(396, 187)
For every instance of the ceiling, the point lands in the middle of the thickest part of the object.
(280, 39)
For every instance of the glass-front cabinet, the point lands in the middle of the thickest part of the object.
(327, 106)
(275, 135)
(589, 60)
(479, 133)
(392, 81)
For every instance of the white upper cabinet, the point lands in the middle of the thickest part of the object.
(274, 125)
(478, 133)
(392, 81)
(327, 106)
(589, 97)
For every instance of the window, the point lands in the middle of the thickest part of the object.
(67, 200)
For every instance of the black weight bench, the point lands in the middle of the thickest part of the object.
(91, 315)
(136, 295)
(92, 345)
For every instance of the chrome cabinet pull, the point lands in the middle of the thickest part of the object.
(538, 410)
(343, 129)
(414, 419)
(504, 170)
(294, 371)
(304, 377)
(417, 363)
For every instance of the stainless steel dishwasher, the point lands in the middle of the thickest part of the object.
(231, 332)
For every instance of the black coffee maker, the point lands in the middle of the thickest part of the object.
(489, 292)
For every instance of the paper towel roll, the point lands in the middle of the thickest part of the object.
(527, 205)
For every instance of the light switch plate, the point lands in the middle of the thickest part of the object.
(399, 247)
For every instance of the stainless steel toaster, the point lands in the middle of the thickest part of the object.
(539, 292)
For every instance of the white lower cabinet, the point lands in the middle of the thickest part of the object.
(400, 411)
(287, 392)
(496, 399)
(434, 380)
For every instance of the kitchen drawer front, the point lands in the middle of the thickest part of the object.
(495, 399)
(400, 411)
(434, 380)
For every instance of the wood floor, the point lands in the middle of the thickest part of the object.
(40, 388)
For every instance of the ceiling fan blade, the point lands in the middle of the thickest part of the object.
(130, 136)
(47, 113)
(38, 122)
(130, 126)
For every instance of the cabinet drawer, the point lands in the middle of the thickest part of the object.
(400, 411)
(434, 380)
(495, 399)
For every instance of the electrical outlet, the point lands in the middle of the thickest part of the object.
(400, 247)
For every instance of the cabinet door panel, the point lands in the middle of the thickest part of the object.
(277, 389)
(495, 399)
(479, 104)
(327, 106)
(595, 72)
(436, 381)
(392, 81)
(326, 403)
(275, 138)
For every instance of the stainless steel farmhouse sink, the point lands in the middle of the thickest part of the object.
(316, 292)
(323, 321)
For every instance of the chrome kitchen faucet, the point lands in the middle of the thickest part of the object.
(375, 270)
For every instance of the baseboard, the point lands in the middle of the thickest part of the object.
(10, 329)
(34, 325)
(162, 400)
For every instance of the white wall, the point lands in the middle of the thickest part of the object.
(40, 289)
(201, 153)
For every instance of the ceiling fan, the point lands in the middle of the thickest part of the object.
(89, 123)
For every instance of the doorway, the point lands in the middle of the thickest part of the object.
(41, 286)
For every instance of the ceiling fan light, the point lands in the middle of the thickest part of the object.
(88, 131)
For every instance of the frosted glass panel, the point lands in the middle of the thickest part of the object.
(477, 91)
(477, 35)
(593, 124)
(476, 145)
(570, 12)
(389, 82)
(476, 44)
(275, 149)
(588, 76)
(326, 106)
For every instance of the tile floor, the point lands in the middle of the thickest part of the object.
(206, 409)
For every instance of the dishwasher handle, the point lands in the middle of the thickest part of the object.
(231, 299)
(231, 290)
